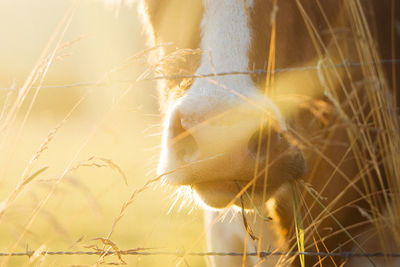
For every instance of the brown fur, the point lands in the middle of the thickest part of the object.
(170, 23)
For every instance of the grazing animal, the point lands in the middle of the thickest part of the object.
(285, 110)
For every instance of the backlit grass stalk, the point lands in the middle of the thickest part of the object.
(337, 222)
(298, 223)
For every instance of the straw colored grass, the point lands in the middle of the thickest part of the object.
(73, 151)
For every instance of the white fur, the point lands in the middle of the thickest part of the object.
(226, 36)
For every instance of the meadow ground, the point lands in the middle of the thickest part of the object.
(82, 141)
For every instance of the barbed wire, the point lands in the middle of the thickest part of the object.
(344, 64)
(140, 252)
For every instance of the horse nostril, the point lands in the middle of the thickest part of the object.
(181, 141)
(262, 142)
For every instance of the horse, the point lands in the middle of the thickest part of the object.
(285, 113)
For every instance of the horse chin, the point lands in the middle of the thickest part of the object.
(240, 188)
(249, 193)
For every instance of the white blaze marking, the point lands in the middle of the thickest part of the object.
(226, 35)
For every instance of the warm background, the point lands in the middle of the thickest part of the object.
(81, 133)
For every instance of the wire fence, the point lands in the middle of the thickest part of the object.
(344, 64)
(141, 252)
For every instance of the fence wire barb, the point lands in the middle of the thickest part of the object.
(140, 252)
(344, 64)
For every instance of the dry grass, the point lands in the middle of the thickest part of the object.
(77, 170)
(73, 148)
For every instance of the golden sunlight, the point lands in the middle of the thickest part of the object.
(79, 140)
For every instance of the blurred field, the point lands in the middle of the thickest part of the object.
(79, 133)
